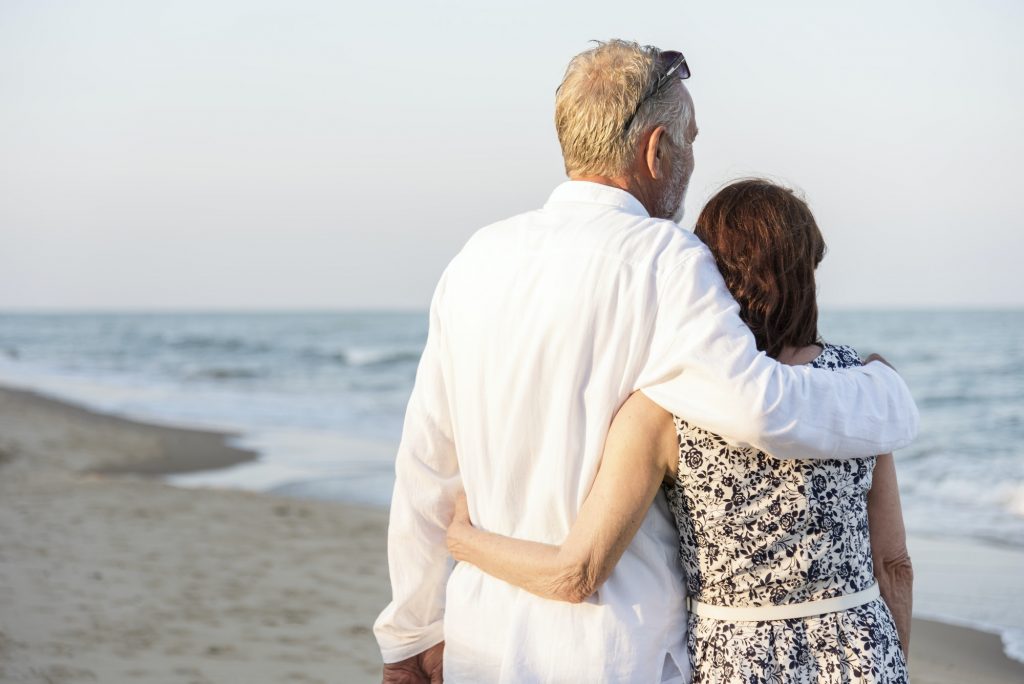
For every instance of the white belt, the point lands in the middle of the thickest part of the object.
(783, 612)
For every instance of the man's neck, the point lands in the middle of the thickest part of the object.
(621, 182)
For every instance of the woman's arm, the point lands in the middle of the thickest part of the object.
(640, 451)
(893, 570)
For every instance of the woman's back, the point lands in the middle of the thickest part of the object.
(756, 531)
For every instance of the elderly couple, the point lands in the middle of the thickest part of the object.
(667, 475)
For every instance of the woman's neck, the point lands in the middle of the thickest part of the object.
(797, 356)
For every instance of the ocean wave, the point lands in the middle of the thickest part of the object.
(937, 401)
(1014, 501)
(226, 374)
(1013, 643)
(366, 357)
(208, 343)
(968, 490)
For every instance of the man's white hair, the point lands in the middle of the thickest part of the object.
(600, 90)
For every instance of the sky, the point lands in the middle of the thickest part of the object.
(335, 155)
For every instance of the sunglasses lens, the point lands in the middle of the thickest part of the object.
(668, 58)
(674, 63)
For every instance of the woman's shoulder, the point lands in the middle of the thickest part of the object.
(836, 356)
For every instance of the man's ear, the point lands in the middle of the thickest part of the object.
(655, 157)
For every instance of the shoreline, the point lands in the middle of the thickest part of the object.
(158, 449)
(110, 574)
(125, 578)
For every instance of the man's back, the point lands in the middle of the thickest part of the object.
(547, 319)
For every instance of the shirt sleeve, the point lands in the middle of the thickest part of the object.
(704, 366)
(426, 480)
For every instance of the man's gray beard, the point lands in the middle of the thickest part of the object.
(672, 204)
(678, 215)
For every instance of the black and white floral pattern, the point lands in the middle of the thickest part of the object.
(759, 531)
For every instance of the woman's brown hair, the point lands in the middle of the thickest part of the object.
(767, 245)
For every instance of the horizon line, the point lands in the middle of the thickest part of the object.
(45, 310)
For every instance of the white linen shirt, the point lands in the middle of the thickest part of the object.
(540, 328)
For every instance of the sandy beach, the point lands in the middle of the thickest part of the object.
(121, 578)
(109, 575)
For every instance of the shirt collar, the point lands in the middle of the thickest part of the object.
(587, 192)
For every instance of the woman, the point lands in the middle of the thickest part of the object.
(776, 553)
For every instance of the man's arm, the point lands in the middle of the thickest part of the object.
(889, 554)
(426, 482)
(704, 366)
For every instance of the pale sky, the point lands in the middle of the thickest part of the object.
(293, 155)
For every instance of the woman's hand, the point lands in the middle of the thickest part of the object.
(458, 528)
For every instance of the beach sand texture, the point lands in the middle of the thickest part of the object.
(109, 575)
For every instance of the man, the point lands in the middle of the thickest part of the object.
(539, 329)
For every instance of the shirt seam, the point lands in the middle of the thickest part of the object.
(672, 269)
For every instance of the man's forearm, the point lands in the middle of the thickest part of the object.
(426, 481)
(418, 568)
(709, 371)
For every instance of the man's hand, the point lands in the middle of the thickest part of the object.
(878, 357)
(424, 668)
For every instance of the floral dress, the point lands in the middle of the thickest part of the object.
(760, 531)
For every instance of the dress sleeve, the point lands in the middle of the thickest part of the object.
(705, 367)
(847, 356)
(426, 481)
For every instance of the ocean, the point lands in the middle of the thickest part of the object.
(321, 396)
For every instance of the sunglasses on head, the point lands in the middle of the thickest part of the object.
(674, 65)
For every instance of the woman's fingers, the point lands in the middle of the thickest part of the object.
(458, 527)
(461, 507)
